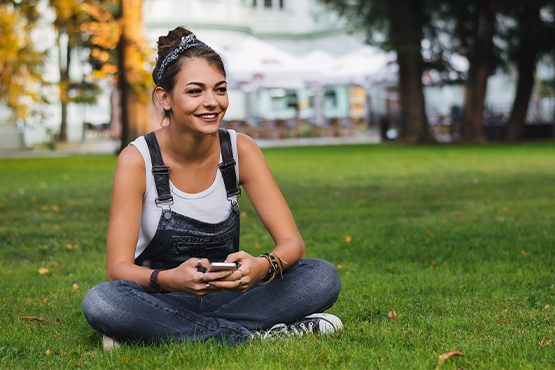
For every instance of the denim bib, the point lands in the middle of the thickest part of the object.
(179, 237)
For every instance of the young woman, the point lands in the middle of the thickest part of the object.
(175, 210)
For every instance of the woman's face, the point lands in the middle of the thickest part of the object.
(199, 99)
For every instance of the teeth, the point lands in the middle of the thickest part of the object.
(207, 116)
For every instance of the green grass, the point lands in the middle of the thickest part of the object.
(458, 240)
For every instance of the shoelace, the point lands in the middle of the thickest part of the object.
(282, 330)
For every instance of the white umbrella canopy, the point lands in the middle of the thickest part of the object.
(361, 66)
(257, 63)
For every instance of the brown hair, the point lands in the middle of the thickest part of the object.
(168, 43)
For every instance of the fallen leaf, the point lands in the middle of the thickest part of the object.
(429, 233)
(336, 193)
(243, 214)
(34, 318)
(445, 356)
(339, 265)
(52, 264)
(45, 300)
(543, 342)
(392, 315)
(348, 238)
(433, 264)
(55, 207)
(525, 254)
(257, 246)
(43, 270)
(48, 352)
(75, 287)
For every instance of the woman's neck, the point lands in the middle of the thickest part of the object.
(186, 147)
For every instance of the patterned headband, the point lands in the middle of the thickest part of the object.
(187, 42)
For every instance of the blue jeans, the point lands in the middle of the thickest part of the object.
(125, 311)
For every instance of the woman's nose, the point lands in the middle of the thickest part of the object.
(209, 100)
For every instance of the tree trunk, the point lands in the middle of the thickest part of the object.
(412, 98)
(407, 23)
(64, 87)
(527, 58)
(478, 74)
(135, 116)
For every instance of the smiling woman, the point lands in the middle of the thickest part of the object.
(175, 211)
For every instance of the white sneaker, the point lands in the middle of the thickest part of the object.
(109, 343)
(318, 323)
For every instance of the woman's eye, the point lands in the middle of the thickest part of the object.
(222, 89)
(194, 91)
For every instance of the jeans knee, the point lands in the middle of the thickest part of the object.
(97, 304)
(324, 279)
(92, 309)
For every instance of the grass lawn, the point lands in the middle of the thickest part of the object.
(459, 241)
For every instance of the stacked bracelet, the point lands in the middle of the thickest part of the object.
(276, 265)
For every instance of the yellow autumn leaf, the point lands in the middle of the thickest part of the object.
(75, 287)
(257, 246)
(43, 270)
(348, 238)
(55, 207)
(392, 315)
(525, 254)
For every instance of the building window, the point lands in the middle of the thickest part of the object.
(269, 4)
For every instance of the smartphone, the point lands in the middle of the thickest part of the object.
(222, 266)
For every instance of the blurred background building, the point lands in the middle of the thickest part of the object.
(292, 65)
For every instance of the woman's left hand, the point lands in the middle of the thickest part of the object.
(251, 270)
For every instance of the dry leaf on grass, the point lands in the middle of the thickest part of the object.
(348, 238)
(445, 356)
(525, 254)
(43, 270)
(34, 318)
(543, 342)
(75, 287)
(392, 315)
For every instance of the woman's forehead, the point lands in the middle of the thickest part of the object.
(199, 69)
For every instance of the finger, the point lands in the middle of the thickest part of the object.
(217, 275)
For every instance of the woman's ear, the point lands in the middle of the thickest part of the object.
(163, 98)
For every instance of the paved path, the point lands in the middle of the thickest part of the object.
(111, 146)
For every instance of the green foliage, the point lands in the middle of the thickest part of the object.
(458, 240)
(20, 61)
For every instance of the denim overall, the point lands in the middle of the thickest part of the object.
(179, 237)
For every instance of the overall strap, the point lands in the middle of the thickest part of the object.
(160, 172)
(227, 167)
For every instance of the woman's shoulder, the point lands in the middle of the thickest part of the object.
(131, 157)
(246, 144)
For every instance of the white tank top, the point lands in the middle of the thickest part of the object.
(210, 205)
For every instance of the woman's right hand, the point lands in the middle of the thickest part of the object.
(188, 279)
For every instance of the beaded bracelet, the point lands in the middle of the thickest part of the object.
(276, 265)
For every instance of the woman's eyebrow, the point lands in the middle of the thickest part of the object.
(204, 85)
